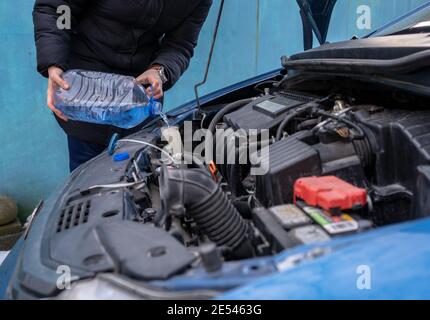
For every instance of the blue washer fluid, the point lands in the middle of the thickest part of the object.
(105, 98)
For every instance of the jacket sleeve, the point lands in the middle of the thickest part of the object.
(52, 43)
(177, 47)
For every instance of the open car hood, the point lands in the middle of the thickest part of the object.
(316, 16)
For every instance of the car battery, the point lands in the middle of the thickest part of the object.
(272, 230)
(330, 193)
(336, 225)
(309, 234)
(287, 226)
(290, 216)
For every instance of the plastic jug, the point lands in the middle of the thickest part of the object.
(105, 98)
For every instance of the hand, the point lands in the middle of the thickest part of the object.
(55, 80)
(152, 78)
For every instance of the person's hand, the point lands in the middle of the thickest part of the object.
(55, 80)
(152, 78)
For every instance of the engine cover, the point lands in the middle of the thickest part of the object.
(266, 112)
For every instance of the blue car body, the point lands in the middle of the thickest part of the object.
(396, 258)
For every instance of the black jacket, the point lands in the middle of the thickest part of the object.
(118, 36)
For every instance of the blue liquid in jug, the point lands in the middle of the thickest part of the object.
(104, 98)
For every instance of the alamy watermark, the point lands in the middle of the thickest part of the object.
(364, 279)
(363, 22)
(64, 21)
(223, 147)
(64, 279)
(364, 19)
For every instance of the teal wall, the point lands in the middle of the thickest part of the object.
(253, 36)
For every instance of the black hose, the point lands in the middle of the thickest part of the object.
(195, 194)
(195, 159)
(226, 110)
(212, 126)
(351, 124)
(291, 116)
(268, 82)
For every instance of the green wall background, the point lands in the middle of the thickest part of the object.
(253, 36)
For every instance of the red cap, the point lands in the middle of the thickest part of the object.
(329, 193)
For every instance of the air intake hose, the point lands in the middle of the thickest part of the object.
(204, 202)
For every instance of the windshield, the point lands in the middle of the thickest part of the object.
(378, 18)
(417, 21)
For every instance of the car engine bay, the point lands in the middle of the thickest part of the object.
(335, 166)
